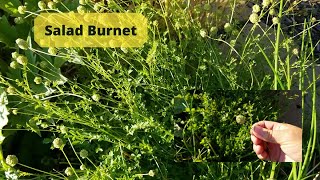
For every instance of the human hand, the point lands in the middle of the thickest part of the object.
(275, 141)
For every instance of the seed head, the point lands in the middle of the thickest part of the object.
(22, 60)
(83, 153)
(58, 143)
(254, 18)
(68, 171)
(22, 9)
(256, 8)
(240, 119)
(22, 44)
(12, 160)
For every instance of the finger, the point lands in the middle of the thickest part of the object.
(256, 140)
(266, 124)
(266, 134)
(258, 149)
(263, 155)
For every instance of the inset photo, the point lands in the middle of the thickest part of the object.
(215, 127)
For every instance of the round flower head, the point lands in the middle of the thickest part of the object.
(240, 119)
(22, 43)
(58, 143)
(207, 7)
(14, 64)
(51, 5)
(22, 9)
(266, 3)
(254, 18)
(22, 60)
(11, 90)
(203, 33)
(96, 97)
(81, 9)
(272, 12)
(18, 20)
(275, 20)
(227, 27)
(256, 8)
(52, 51)
(83, 153)
(295, 51)
(42, 5)
(12, 160)
(151, 173)
(68, 171)
(38, 80)
(15, 55)
(82, 2)
(83, 167)
(43, 64)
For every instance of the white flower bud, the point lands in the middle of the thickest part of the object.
(83, 167)
(12, 160)
(266, 3)
(56, 1)
(82, 2)
(272, 12)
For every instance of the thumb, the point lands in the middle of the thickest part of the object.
(268, 135)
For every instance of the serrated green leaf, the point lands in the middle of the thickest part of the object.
(10, 6)
(8, 33)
